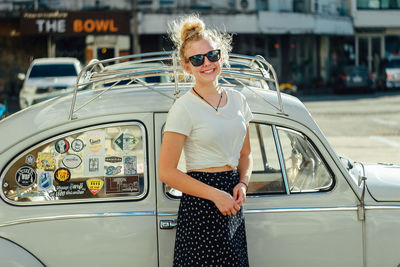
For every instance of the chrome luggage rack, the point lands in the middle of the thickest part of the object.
(148, 70)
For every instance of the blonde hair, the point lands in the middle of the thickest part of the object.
(191, 28)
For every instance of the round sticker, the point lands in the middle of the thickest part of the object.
(77, 145)
(62, 146)
(25, 176)
(30, 159)
(72, 161)
(62, 175)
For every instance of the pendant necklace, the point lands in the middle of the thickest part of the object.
(219, 102)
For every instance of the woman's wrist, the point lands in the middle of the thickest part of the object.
(247, 187)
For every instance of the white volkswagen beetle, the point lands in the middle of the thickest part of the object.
(79, 182)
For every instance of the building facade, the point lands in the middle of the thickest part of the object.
(305, 40)
(376, 31)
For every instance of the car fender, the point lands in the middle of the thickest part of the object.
(12, 254)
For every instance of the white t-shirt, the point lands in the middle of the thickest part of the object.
(213, 140)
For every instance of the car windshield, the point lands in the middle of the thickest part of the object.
(53, 70)
(393, 63)
(356, 69)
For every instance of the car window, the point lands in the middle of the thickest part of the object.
(393, 63)
(96, 164)
(305, 169)
(52, 70)
(267, 175)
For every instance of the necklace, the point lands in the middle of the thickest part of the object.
(219, 102)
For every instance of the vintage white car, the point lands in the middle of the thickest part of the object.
(79, 182)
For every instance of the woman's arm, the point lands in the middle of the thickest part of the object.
(245, 168)
(168, 173)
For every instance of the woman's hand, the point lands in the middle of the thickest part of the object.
(225, 203)
(239, 193)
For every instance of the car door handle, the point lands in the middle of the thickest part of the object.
(168, 224)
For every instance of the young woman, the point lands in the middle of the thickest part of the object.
(211, 124)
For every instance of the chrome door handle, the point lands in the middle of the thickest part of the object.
(168, 224)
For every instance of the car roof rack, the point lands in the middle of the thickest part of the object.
(146, 70)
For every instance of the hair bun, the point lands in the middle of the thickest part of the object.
(191, 27)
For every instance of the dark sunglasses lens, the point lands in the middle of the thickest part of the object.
(197, 60)
(213, 56)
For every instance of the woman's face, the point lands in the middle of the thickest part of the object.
(208, 71)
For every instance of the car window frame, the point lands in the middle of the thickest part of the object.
(47, 140)
(275, 126)
(316, 150)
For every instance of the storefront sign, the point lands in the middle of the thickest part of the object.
(76, 23)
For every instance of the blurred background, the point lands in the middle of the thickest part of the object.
(315, 45)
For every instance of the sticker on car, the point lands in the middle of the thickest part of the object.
(62, 146)
(45, 161)
(72, 161)
(77, 145)
(45, 180)
(130, 165)
(94, 185)
(25, 176)
(94, 166)
(95, 142)
(121, 185)
(62, 175)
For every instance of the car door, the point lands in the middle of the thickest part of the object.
(300, 210)
(85, 196)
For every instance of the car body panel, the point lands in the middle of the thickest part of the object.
(382, 231)
(320, 216)
(383, 181)
(126, 223)
(13, 255)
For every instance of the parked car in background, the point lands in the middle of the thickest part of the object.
(353, 78)
(79, 183)
(47, 78)
(388, 75)
(392, 72)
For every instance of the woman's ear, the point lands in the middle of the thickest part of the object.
(187, 68)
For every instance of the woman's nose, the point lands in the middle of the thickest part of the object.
(206, 61)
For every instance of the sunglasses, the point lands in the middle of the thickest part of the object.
(198, 60)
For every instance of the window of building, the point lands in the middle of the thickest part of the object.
(378, 4)
(96, 164)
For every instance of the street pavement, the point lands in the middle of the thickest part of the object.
(363, 127)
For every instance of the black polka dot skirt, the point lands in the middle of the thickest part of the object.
(205, 237)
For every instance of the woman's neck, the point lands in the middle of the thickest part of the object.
(208, 89)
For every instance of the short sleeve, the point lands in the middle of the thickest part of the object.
(247, 114)
(178, 120)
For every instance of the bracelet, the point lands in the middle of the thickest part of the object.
(247, 187)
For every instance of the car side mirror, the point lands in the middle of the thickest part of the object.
(21, 76)
(361, 179)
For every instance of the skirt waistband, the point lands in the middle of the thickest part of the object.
(225, 180)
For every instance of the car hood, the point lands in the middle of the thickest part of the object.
(51, 81)
(383, 181)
